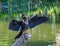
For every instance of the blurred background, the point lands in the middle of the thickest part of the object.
(43, 34)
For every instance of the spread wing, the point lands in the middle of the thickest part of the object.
(14, 25)
(32, 22)
(36, 20)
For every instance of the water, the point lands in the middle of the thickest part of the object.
(53, 24)
(40, 35)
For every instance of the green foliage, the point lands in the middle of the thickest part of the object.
(21, 6)
(3, 0)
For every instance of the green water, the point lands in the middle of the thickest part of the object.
(41, 35)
